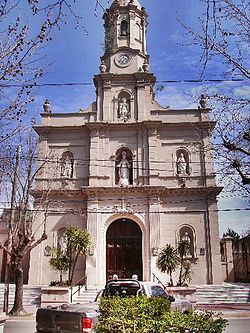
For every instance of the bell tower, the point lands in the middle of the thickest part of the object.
(124, 83)
(125, 26)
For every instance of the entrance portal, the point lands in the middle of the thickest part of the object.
(124, 249)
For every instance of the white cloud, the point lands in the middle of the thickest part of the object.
(65, 99)
(176, 98)
(243, 91)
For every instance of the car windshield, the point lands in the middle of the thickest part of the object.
(121, 289)
(157, 291)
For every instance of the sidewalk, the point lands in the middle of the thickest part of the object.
(227, 310)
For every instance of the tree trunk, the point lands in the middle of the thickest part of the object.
(180, 275)
(73, 265)
(18, 309)
(171, 279)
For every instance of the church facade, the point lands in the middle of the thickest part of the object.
(138, 176)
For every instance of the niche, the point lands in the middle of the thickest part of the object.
(124, 167)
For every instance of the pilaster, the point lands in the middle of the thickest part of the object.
(144, 82)
(228, 254)
(154, 229)
(94, 156)
(91, 260)
(153, 151)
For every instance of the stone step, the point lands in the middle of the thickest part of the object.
(229, 291)
(239, 294)
(31, 295)
(221, 300)
(219, 294)
(86, 296)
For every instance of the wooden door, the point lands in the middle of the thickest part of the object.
(124, 249)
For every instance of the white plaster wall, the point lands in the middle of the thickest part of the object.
(40, 270)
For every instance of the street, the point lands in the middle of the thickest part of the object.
(239, 325)
(20, 326)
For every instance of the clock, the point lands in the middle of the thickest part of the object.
(122, 59)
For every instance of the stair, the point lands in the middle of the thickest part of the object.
(31, 295)
(86, 296)
(223, 294)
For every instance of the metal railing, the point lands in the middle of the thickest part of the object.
(79, 284)
(155, 278)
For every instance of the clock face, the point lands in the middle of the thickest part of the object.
(122, 59)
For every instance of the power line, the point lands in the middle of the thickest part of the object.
(87, 160)
(138, 199)
(68, 84)
(109, 211)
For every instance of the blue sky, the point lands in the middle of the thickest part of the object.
(75, 57)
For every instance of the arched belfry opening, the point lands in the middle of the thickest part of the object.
(124, 249)
(124, 167)
(124, 28)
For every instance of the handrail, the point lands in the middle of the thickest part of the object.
(83, 278)
(158, 280)
(80, 286)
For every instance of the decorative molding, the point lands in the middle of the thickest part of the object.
(123, 207)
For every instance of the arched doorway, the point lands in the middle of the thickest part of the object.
(124, 249)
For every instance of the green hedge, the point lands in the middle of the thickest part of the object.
(153, 315)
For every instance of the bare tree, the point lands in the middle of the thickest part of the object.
(23, 50)
(223, 37)
(22, 237)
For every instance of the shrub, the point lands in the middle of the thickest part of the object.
(152, 315)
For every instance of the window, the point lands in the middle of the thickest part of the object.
(157, 291)
(139, 31)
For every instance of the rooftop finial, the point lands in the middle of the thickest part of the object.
(47, 107)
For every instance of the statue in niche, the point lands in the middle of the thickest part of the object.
(186, 238)
(63, 244)
(66, 167)
(181, 165)
(124, 170)
(124, 109)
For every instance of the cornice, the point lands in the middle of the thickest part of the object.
(149, 190)
(44, 129)
(124, 48)
(74, 195)
(148, 124)
(138, 77)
